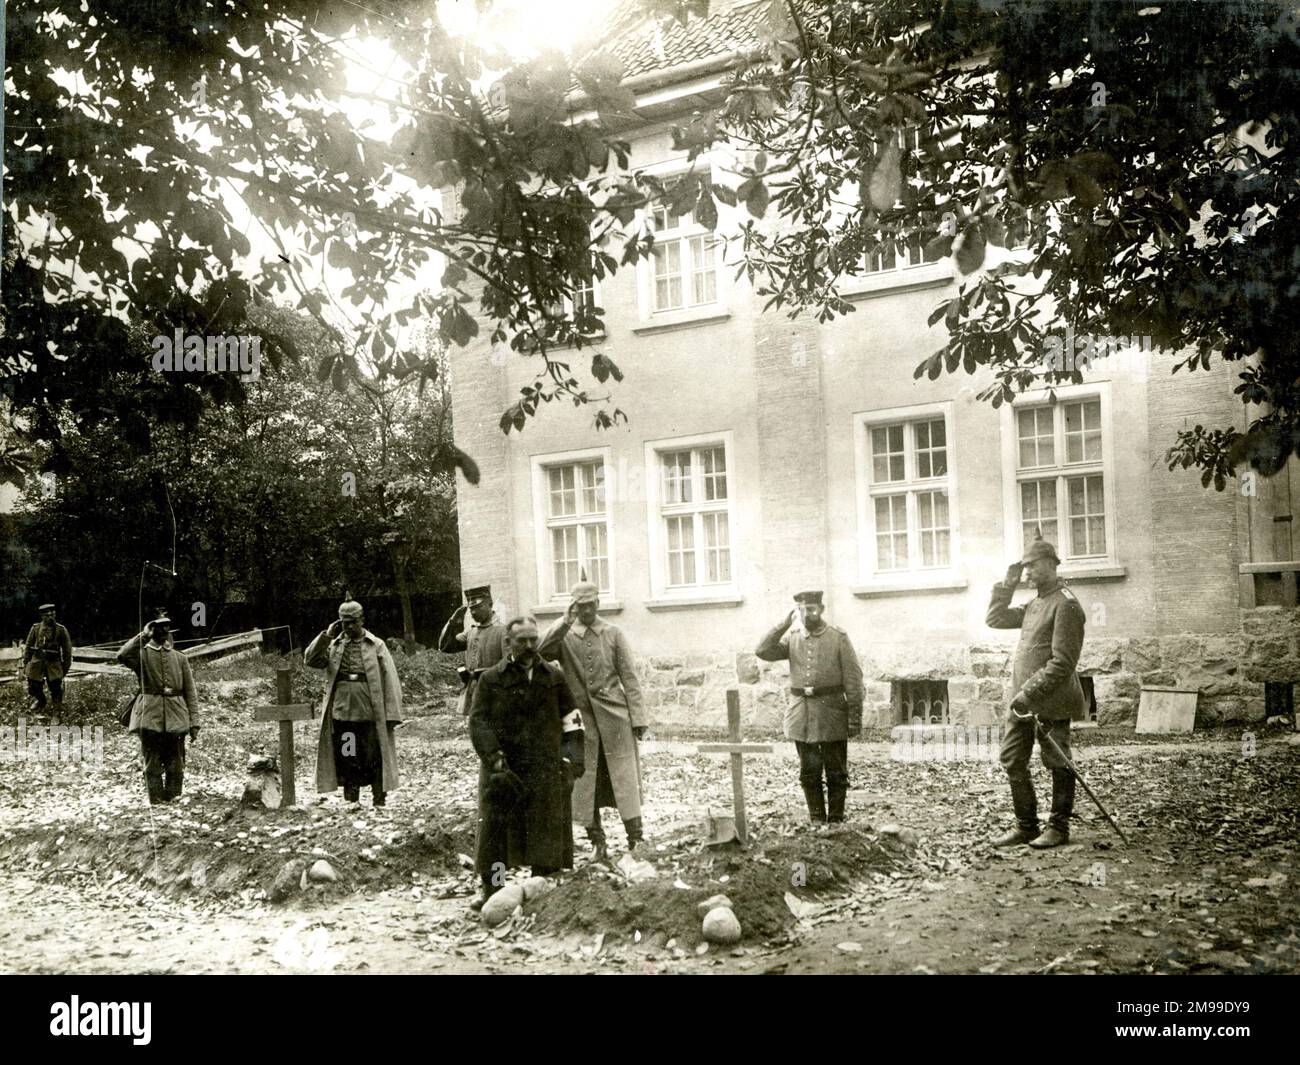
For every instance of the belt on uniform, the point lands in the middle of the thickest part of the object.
(352, 676)
(829, 689)
(166, 691)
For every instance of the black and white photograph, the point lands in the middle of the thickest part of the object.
(653, 487)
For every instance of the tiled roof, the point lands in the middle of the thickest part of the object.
(644, 48)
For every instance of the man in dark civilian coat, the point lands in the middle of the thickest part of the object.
(521, 725)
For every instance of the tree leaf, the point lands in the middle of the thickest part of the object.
(968, 250)
(886, 184)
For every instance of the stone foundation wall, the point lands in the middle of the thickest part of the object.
(1229, 670)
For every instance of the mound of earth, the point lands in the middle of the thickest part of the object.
(813, 865)
(209, 846)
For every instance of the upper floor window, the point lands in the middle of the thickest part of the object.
(684, 261)
(580, 307)
(1061, 478)
(695, 508)
(691, 503)
(574, 543)
(908, 489)
(895, 253)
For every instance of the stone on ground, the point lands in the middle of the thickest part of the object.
(322, 870)
(721, 926)
(713, 903)
(537, 886)
(501, 905)
(287, 879)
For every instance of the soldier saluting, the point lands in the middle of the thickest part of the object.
(1045, 686)
(483, 640)
(826, 682)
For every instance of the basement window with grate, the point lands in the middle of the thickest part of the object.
(920, 702)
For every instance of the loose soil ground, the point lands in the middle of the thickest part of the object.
(94, 880)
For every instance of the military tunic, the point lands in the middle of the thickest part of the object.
(484, 646)
(1051, 640)
(163, 712)
(825, 682)
(47, 654)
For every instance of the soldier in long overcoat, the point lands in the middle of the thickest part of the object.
(826, 684)
(360, 710)
(47, 657)
(523, 727)
(1044, 686)
(597, 663)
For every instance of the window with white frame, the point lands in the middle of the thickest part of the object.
(909, 494)
(893, 254)
(683, 262)
(585, 299)
(695, 516)
(577, 523)
(1060, 476)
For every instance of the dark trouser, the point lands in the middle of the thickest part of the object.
(830, 757)
(1017, 746)
(357, 758)
(36, 689)
(164, 763)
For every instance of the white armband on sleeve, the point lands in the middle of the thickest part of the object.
(573, 721)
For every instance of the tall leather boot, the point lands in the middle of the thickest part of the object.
(172, 785)
(1058, 826)
(816, 799)
(634, 835)
(836, 794)
(1025, 804)
(596, 835)
(157, 791)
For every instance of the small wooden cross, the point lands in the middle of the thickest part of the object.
(737, 748)
(286, 713)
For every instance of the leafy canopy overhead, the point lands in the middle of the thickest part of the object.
(1108, 166)
(147, 142)
(1118, 169)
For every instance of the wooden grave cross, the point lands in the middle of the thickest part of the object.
(737, 748)
(286, 713)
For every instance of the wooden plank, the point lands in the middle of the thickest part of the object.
(225, 645)
(735, 748)
(101, 668)
(96, 654)
(222, 645)
(284, 712)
